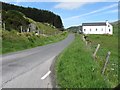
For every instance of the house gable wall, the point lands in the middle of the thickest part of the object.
(109, 28)
(105, 29)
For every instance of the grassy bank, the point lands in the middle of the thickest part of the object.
(108, 43)
(75, 68)
(13, 41)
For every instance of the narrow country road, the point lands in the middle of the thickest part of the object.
(31, 68)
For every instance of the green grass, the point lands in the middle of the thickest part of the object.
(75, 68)
(44, 27)
(108, 43)
(12, 42)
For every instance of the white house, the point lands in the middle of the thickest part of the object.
(97, 28)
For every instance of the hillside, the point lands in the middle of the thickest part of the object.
(38, 15)
(14, 20)
(116, 25)
(74, 29)
(116, 22)
(20, 32)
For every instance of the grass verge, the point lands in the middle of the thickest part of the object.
(75, 68)
(12, 41)
(108, 43)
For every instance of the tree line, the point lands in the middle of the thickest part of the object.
(38, 15)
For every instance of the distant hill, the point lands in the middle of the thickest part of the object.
(116, 22)
(38, 15)
(74, 29)
(116, 27)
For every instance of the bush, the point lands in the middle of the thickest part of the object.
(14, 20)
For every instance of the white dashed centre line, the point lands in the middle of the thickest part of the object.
(46, 75)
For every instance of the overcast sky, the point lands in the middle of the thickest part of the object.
(76, 13)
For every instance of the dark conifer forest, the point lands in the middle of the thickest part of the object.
(38, 15)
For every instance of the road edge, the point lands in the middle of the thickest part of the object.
(53, 74)
(53, 77)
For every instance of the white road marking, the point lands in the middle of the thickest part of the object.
(46, 75)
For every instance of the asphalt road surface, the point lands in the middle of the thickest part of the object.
(31, 68)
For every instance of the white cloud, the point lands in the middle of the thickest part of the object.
(17, 2)
(93, 12)
(113, 11)
(70, 5)
(74, 5)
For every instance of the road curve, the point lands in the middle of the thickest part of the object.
(31, 68)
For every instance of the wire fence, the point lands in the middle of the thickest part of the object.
(106, 60)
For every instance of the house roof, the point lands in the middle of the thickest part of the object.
(94, 24)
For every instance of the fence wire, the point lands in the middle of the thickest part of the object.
(111, 72)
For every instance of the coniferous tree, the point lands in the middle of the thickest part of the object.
(36, 14)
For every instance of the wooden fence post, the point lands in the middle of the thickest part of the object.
(96, 50)
(83, 38)
(107, 59)
(86, 43)
(43, 32)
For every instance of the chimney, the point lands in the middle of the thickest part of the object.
(106, 21)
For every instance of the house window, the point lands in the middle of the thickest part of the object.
(102, 29)
(90, 29)
(84, 29)
(109, 30)
(108, 25)
(96, 29)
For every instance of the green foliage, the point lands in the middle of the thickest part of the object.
(115, 28)
(13, 41)
(36, 14)
(14, 19)
(75, 68)
(47, 29)
(108, 43)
